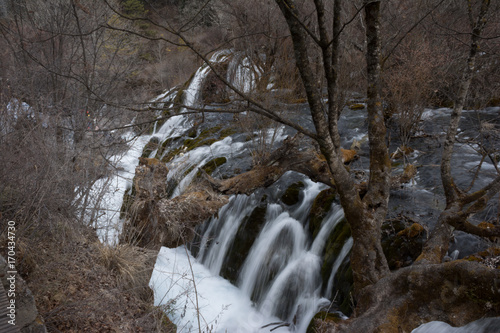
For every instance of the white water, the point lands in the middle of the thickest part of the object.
(222, 307)
(281, 273)
(485, 325)
(226, 227)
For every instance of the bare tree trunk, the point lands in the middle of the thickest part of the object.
(367, 258)
(437, 246)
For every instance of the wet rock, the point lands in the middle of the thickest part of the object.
(150, 146)
(489, 257)
(320, 207)
(291, 195)
(402, 243)
(244, 239)
(336, 241)
(211, 165)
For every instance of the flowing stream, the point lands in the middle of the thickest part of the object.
(256, 266)
(278, 283)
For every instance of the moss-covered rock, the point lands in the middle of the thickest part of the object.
(320, 207)
(323, 322)
(402, 243)
(247, 233)
(128, 199)
(291, 195)
(339, 235)
(344, 286)
(205, 138)
(211, 165)
(356, 106)
(164, 146)
(150, 146)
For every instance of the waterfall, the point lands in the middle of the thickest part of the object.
(281, 240)
(280, 283)
(343, 254)
(280, 278)
(231, 217)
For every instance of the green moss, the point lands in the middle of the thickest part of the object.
(204, 139)
(128, 198)
(344, 283)
(150, 146)
(322, 316)
(247, 233)
(227, 132)
(211, 165)
(192, 133)
(334, 245)
(171, 154)
(401, 244)
(163, 146)
(291, 196)
(321, 205)
(356, 106)
(191, 144)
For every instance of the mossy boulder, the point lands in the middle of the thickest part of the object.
(320, 207)
(163, 147)
(211, 165)
(356, 106)
(344, 288)
(336, 240)
(247, 233)
(324, 322)
(291, 195)
(402, 243)
(206, 137)
(150, 146)
(128, 199)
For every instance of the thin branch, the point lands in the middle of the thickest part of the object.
(409, 31)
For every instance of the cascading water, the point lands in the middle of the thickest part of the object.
(280, 276)
(279, 279)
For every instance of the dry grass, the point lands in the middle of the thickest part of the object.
(81, 285)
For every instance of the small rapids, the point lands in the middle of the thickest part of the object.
(279, 281)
